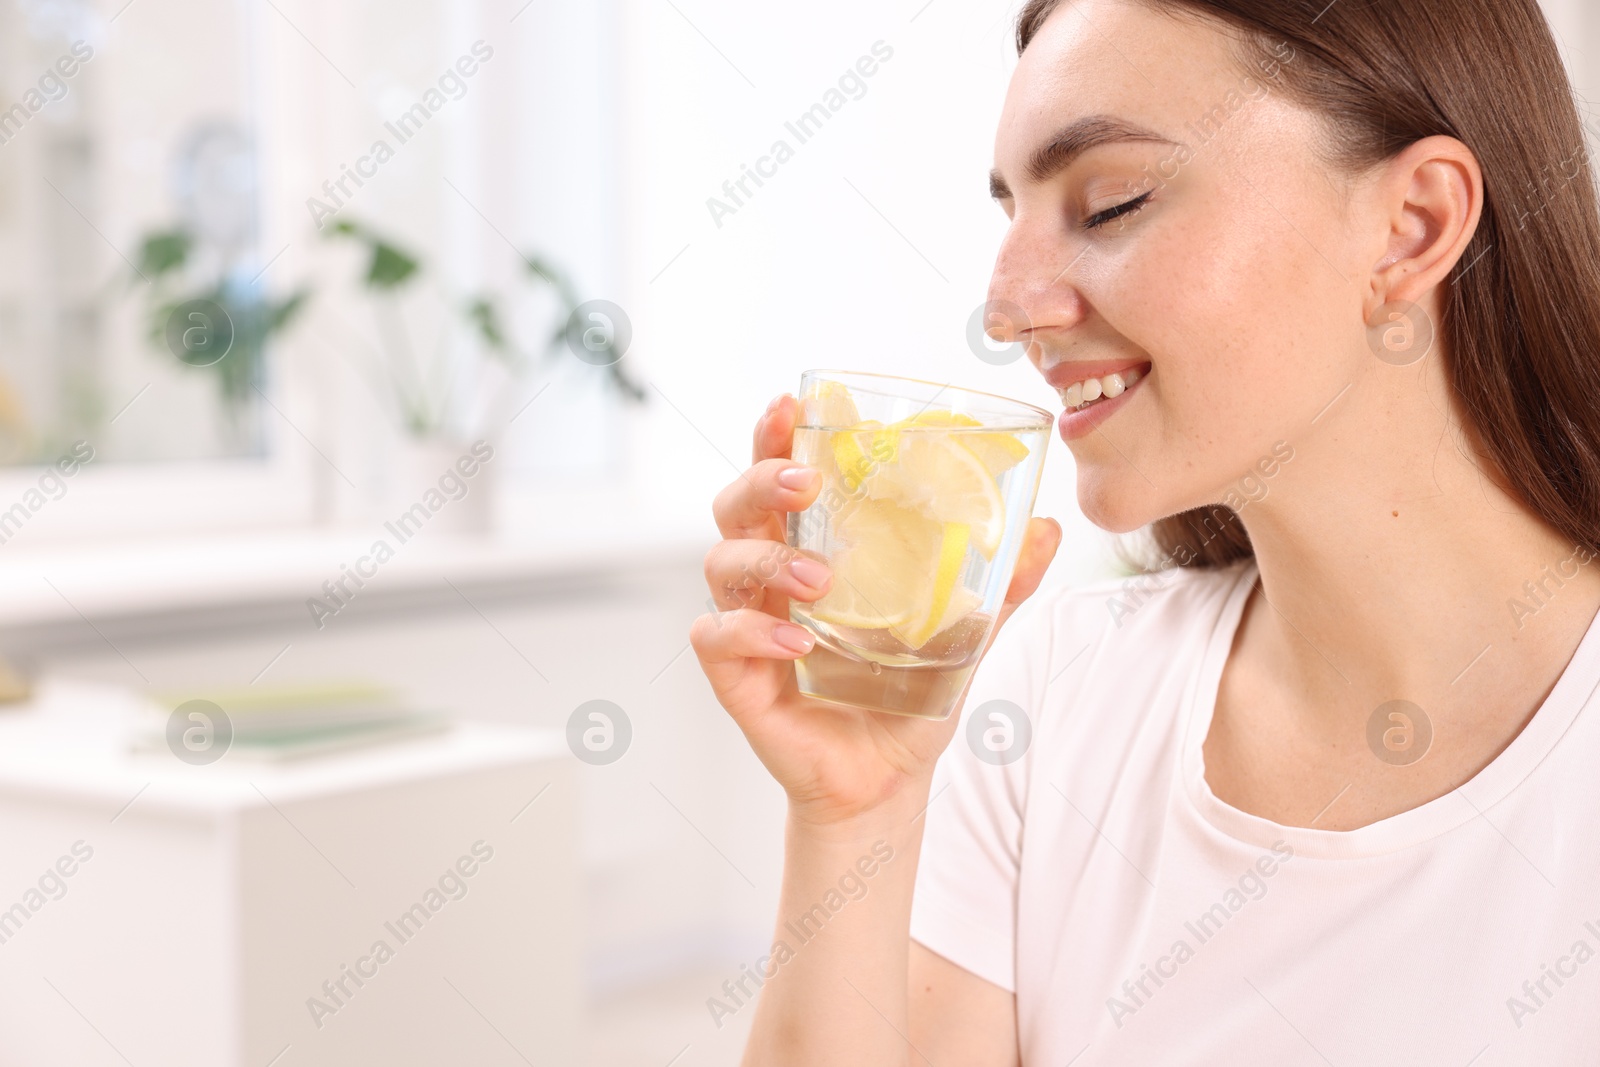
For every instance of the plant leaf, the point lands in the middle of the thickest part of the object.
(280, 315)
(164, 252)
(390, 266)
(484, 315)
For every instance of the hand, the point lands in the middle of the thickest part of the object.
(835, 763)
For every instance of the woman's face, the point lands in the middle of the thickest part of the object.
(1187, 232)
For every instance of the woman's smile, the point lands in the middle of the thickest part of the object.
(1092, 392)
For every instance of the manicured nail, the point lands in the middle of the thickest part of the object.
(812, 574)
(797, 478)
(792, 637)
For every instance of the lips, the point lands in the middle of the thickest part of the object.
(1092, 392)
(1066, 373)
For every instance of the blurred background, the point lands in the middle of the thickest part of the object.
(366, 374)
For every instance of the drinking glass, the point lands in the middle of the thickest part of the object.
(926, 494)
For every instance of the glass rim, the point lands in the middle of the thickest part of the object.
(824, 372)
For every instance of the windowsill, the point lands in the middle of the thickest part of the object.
(579, 539)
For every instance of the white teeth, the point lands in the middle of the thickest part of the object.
(1082, 394)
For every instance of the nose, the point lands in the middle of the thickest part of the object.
(1034, 284)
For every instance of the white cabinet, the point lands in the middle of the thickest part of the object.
(405, 904)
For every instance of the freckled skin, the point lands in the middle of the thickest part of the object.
(1248, 281)
(1238, 279)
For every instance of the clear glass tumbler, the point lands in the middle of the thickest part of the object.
(926, 493)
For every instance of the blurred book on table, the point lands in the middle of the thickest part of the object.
(287, 722)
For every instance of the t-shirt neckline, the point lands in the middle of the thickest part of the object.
(1504, 774)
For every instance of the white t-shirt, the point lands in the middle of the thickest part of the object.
(1141, 921)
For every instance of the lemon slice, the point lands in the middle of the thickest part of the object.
(859, 451)
(963, 602)
(897, 570)
(823, 411)
(883, 569)
(929, 616)
(998, 452)
(936, 474)
(919, 501)
(831, 407)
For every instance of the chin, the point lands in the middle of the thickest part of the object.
(1115, 503)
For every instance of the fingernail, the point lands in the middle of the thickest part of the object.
(797, 478)
(811, 573)
(792, 637)
(775, 402)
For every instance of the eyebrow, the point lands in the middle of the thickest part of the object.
(1056, 154)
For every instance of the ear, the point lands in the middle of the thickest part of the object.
(1432, 195)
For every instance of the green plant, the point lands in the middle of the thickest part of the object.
(164, 261)
(390, 269)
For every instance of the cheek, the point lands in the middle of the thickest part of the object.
(1238, 312)
(1248, 328)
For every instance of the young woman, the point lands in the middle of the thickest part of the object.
(1323, 787)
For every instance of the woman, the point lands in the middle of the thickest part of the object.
(1323, 786)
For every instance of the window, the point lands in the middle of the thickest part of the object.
(137, 193)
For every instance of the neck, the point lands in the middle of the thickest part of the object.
(1395, 568)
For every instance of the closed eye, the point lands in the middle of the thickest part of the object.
(1111, 214)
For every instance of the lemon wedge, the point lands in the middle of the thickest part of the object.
(929, 616)
(831, 407)
(936, 474)
(882, 569)
(823, 412)
(861, 450)
(998, 452)
(919, 502)
(963, 602)
(897, 570)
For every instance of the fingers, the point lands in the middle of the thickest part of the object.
(1038, 551)
(755, 504)
(774, 434)
(740, 574)
(726, 636)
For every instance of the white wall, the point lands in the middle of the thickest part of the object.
(808, 274)
(868, 250)
(1577, 28)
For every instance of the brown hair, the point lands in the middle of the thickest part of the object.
(1521, 329)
